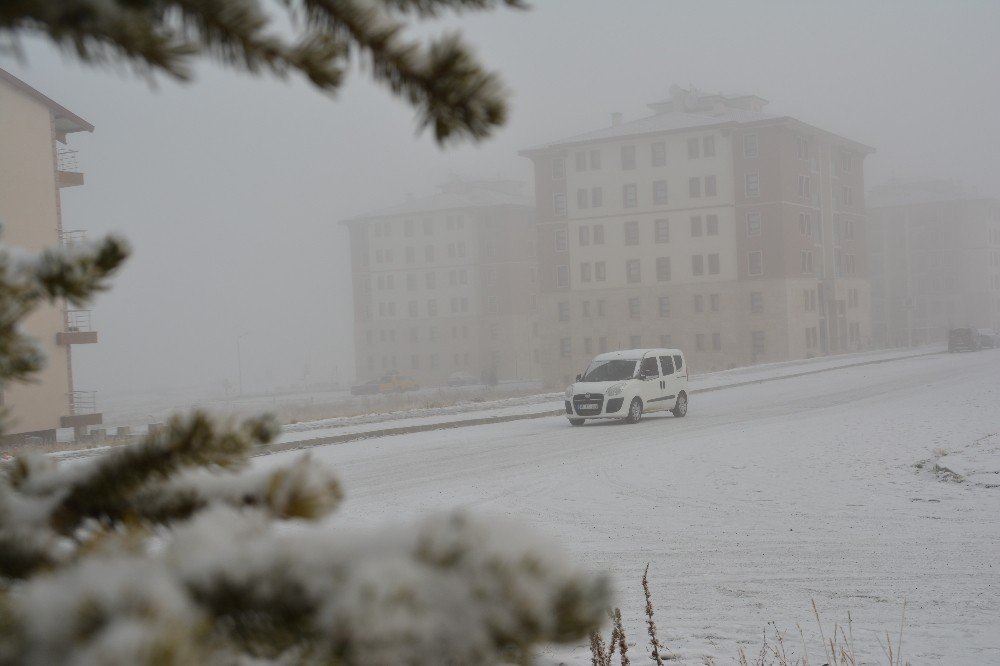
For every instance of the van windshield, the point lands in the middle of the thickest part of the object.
(613, 370)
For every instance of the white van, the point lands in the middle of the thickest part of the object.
(624, 384)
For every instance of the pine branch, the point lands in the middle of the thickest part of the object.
(77, 276)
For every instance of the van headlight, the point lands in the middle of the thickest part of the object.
(615, 390)
(569, 392)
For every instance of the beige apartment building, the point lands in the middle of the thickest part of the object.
(35, 164)
(711, 225)
(935, 261)
(447, 284)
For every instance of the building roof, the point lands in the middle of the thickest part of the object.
(65, 120)
(915, 192)
(457, 195)
(687, 110)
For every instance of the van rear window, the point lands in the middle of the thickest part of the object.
(667, 365)
(679, 361)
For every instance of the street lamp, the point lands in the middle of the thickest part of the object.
(239, 361)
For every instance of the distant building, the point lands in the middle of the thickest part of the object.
(446, 284)
(935, 261)
(35, 165)
(735, 234)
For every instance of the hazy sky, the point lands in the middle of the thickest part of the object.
(230, 188)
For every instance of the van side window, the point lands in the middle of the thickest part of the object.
(649, 367)
(667, 365)
(679, 362)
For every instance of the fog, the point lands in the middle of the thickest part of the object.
(230, 189)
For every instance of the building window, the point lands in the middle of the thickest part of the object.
(699, 303)
(659, 154)
(595, 159)
(491, 277)
(801, 147)
(754, 223)
(708, 146)
(581, 198)
(432, 308)
(712, 225)
(693, 149)
(565, 350)
(697, 265)
(713, 302)
(588, 346)
(666, 341)
(558, 168)
(694, 187)
(805, 224)
(664, 306)
(428, 226)
(634, 308)
(847, 195)
(851, 267)
(585, 308)
(600, 307)
(411, 282)
(596, 197)
(756, 302)
(710, 186)
(413, 308)
(628, 158)
(661, 231)
(585, 271)
(752, 184)
(713, 264)
(600, 272)
(716, 342)
(559, 204)
(696, 226)
(431, 280)
(755, 263)
(635, 341)
(807, 261)
(581, 161)
(809, 299)
(849, 229)
(846, 161)
(602, 345)
(562, 276)
(659, 192)
(749, 145)
(633, 275)
(584, 235)
(561, 240)
(757, 343)
(663, 269)
(563, 311)
(803, 186)
(630, 195)
(699, 342)
(598, 234)
(632, 233)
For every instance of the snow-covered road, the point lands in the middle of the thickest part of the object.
(763, 498)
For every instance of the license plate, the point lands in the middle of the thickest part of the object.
(582, 408)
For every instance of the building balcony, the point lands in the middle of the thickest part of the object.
(83, 410)
(68, 172)
(79, 329)
(72, 238)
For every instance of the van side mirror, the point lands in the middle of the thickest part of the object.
(579, 377)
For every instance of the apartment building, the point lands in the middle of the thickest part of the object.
(35, 164)
(935, 261)
(447, 284)
(710, 225)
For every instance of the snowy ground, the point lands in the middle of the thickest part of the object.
(827, 486)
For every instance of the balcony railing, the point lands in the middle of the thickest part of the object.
(82, 410)
(66, 161)
(82, 402)
(72, 237)
(79, 321)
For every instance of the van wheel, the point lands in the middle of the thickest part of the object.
(634, 411)
(681, 406)
(576, 422)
